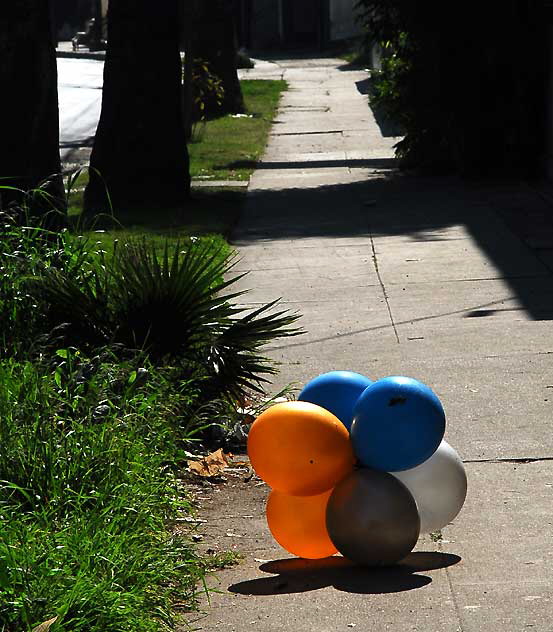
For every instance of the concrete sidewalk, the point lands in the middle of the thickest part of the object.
(432, 278)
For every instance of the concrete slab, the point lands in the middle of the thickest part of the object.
(322, 260)
(490, 569)
(285, 179)
(466, 304)
(502, 535)
(432, 278)
(406, 260)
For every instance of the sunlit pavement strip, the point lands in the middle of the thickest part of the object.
(80, 100)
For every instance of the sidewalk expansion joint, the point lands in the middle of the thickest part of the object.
(382, 287)
(522, 460)
(394, 325)
(331, 131)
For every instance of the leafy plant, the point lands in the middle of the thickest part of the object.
(207, 94)
(177, 307)
(46, 202)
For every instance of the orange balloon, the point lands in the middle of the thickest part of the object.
(300, 448)
(298, 524)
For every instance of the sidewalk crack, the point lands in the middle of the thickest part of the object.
(383, 287)
(454, 599)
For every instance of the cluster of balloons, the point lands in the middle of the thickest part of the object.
(357, 467)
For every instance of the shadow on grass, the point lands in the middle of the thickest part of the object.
(298, 575)
(209, 211)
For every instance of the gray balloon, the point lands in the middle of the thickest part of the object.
(439, 487)
(372, 518)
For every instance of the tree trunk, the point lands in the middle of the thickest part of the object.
(30, 118)
(215, 43)
(139, 155)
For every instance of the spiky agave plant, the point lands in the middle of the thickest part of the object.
(178, 306)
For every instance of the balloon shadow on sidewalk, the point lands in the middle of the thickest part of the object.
(298, 575)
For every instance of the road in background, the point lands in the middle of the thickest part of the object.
(80, 101)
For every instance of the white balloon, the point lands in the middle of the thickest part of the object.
(439, 486)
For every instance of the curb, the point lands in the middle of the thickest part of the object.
(98, 56)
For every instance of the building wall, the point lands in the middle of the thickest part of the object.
(265, 24)
(342, 20)
(272, 24)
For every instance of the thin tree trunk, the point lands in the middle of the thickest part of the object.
(29, 127)
(215, 42)
(139, 155)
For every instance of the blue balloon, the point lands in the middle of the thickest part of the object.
(337, 391)
(398, 423)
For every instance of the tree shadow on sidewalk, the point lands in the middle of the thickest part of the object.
(509, 223)
(388, 127)
(297, 575)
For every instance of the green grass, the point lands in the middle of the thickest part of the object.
(94, 432)
(212, 218)
(87, 485)
(230, 146)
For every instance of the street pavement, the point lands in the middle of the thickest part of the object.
(80, 101)
(446, 281)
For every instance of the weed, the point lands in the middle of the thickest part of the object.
(436, 536)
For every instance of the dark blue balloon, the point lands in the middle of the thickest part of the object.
(398, 423)
(337, 391)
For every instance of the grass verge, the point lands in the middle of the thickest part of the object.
(93, 437)
(211, 217)
(231, 145)
(110, 371)
(87, 483)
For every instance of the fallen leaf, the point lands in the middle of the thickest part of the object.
(45, 625)
(211, 465)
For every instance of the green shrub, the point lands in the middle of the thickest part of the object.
(464, 101)
(176, 307)
(27, 251)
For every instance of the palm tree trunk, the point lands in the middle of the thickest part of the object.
(30, 118)
(139, 155)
